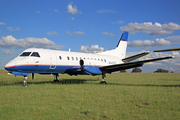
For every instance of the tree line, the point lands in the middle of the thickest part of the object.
(138, 70)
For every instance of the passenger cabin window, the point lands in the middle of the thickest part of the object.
(35, 54)
(60, 57)
(24, 54)
(67, 57)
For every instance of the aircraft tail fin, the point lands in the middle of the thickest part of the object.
(120, 50)
(124, 37)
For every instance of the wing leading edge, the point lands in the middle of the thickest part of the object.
(118, 67)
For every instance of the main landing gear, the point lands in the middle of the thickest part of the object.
(56, 79)
(103, 81)
(25, 81)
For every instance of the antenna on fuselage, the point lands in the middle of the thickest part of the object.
(69, 49)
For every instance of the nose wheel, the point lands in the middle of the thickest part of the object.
(25, 81)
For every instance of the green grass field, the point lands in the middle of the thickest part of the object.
(125, 96)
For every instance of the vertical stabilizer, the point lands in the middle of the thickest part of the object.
(120, 50)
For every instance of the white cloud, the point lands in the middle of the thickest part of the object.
(174, 39)
(8, 51)
(156, 29)
(56, 10)
(110, 34)
(105, 11)
(52, 33)
(148, 44)
(72, 18)
(105, 33)
(162, 42)
(38, 12)
(11, 29)
(92, 49)
(174, 53)
(73, 10)
(75, 33)
(67, 32)
(11, 42)
(118, 22)
(42, 43)
(78, 33)
(1, 23)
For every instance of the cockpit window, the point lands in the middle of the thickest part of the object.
(25, 54)
(35, 54)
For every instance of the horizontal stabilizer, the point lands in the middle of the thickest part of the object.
(131, 58)
(118, 67)
(166, 50)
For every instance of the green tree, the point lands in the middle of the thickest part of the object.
(161, 71)
(123, 71)
(136, 70)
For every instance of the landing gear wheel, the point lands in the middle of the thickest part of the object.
(25, 85)
(56, 80)
(103, 82)
(25, 81)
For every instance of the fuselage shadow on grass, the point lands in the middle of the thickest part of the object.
(83, 81)
(148, 85)
(63, 81)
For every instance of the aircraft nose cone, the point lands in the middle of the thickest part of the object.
(10, 65)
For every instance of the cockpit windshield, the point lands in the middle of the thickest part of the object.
(35, 54)
(25, 54)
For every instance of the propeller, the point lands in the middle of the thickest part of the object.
(81, 62)
(32, 75)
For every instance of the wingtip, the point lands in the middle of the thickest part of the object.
(148, 52)
(173, 56)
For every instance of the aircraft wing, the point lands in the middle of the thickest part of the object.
(131, 58)
(123, 66)
(166, 50)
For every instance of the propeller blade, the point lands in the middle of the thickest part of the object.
(81, 62)
(32, 75)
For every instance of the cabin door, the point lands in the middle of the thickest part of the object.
(53, 60)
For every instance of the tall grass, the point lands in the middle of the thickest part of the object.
(126, 96)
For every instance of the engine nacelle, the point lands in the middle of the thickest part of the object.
(91, 66)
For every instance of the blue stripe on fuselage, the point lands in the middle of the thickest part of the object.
(46, 69)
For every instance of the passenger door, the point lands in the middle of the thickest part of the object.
(53, 60)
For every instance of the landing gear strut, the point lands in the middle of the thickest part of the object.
(103, 81)
(25, 81)
(56, 80)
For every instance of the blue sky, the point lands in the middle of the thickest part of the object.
(91, 26)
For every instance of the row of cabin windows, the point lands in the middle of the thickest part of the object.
(76, 58)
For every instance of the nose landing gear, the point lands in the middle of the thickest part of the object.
(25, 81)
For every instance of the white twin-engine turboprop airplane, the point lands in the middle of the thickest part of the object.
(45, 61)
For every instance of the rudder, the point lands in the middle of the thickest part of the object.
(120, 50)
